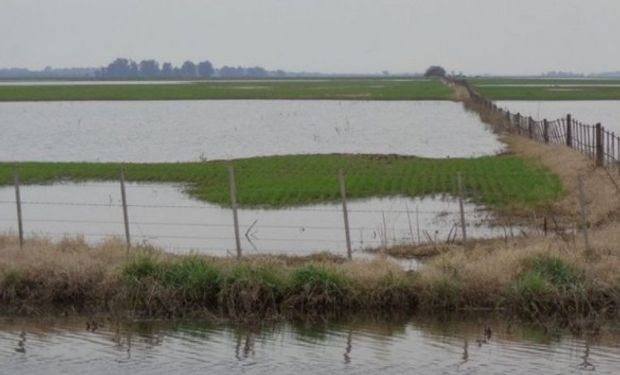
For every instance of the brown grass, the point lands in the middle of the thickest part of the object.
(415, 251)
(72, 276)
(602, 195)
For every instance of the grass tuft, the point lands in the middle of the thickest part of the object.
(250, 289)
(316, 287)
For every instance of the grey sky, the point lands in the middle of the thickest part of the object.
(474, 36)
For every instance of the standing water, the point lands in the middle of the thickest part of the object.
(418, 346)
(168, 131)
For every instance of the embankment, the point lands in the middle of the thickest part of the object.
(539, 279)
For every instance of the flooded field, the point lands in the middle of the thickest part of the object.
(163, 215)
(167, 131)
(420, 346)
(587, 112)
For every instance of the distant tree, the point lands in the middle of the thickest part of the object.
(256, 71)
(205, 69)
(133, 69)
(149, 68)
(435, 71)
(231, 71)
(166, 69)
(188, 69)
(120, 68)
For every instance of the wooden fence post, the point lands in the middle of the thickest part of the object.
(18, 201)
(600, 154)
(530, 127)
(125, 214)
(461, 208)
(233, 204)
(345, 213)
(518, 121)
(569, 131)
(546, 130)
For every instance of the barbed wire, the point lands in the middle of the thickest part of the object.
(294, 170)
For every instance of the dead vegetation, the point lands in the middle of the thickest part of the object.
(532, 277)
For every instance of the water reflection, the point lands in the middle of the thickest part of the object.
(163, 215)
(359, 346)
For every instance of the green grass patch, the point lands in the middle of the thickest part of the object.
(545, 275)
(548, 89)
(505, 181)
(251, 288)
(341, 89)
(318, 287)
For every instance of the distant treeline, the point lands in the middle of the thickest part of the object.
(126, 68)
(123, 68)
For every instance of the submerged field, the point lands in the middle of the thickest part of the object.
(547, 89)
(341, 89)
(500, 181)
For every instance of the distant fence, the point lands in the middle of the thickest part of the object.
(594, 141)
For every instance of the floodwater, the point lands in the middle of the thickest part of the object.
(168, 131)
(163, 215)
(590, 112)
(416, 346)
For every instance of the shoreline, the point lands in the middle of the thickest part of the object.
(529, 281)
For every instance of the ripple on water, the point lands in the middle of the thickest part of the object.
(363, 347)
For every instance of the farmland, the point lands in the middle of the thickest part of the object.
(333, 89)
(547, 89)
(276, 181)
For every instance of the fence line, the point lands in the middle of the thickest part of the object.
(120, 216)
(593, 141)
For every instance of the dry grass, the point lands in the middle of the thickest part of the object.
(602, 195)
(72, 275)
(533, 276)
(47, 273)
(511, 277)
(415, 251)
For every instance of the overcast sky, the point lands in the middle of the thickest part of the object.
(356, 36)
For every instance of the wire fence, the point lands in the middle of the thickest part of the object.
(592, 140)
(163, 215)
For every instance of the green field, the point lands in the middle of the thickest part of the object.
(547, 89)
(341, 89)
(501, 181)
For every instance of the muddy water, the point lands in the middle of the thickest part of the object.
(167, 131)
(417, 346)
(163, 215)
